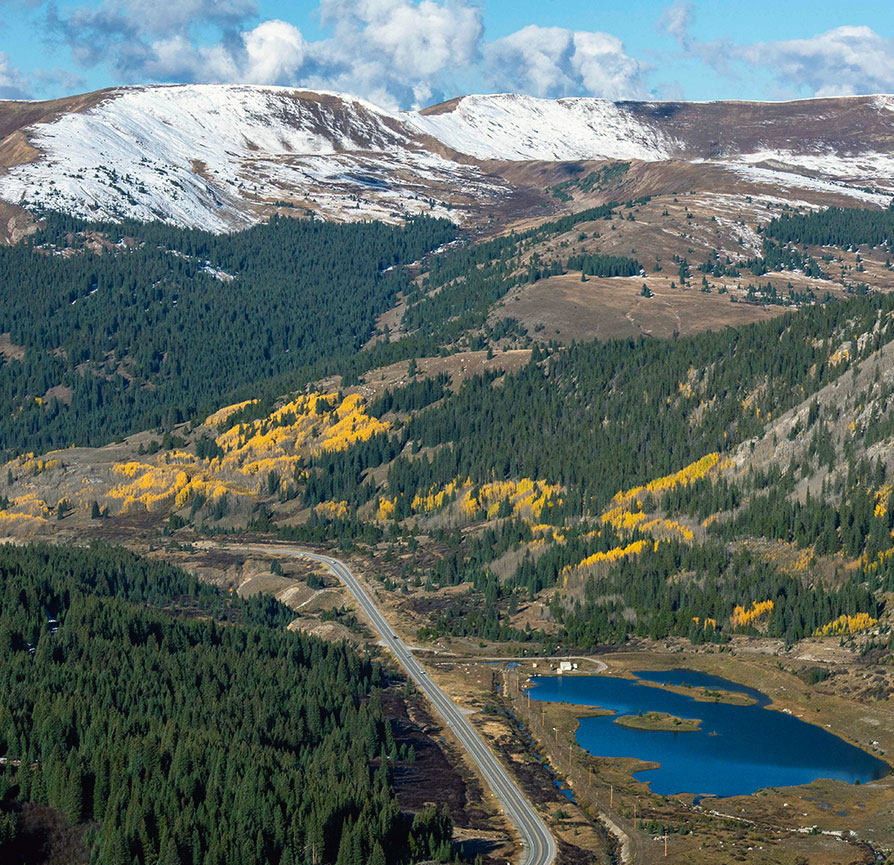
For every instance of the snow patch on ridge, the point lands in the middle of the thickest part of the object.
(867, 166)
(208, 156)
(792, 180)
(513, 127)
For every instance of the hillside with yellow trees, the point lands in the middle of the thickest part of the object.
(279, 444)
(605, 485)
(230, 475)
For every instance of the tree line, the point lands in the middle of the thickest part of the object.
(835, 226)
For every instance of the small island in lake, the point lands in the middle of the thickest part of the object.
(705, 695)
(659, 721)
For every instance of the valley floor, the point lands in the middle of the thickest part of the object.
(612, 816)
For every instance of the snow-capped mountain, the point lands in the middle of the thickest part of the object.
(215, 157)
(511, 127)
(221, 157)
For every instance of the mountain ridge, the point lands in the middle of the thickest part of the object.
(222, 157)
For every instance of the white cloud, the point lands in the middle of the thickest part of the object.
(842, 61)
(676, 20)
(420, 39)
(603, 67)
(135, 36)
(271, 53)
(162, 18)
(12, 85)
(407, 52)
(274, 52)
(534, 59)
(399, 53)
(553, 62)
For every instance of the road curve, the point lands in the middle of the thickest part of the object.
(538, 842)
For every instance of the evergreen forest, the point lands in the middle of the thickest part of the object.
(125, 327)
(182, 726)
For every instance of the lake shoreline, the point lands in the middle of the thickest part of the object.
(736, 748)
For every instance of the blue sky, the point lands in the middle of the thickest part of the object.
(408, 53)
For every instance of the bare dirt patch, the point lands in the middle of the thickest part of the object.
(458, 366)
(9, 349)
(59, 392)
(15, 117)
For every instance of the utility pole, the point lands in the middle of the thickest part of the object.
(665, 842)
(611, 796)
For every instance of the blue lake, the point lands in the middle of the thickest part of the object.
(737, 750)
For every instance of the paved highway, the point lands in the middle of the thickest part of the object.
(539, 844)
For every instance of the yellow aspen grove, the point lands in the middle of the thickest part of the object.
(846, 624)
(435, 498)
(881, 559)
(25, 515)
(707, 623)
(28, 466)
(664, 527)
(332, 510)
(881, 501)
(15, 523)
(386, 509)
(840, 356)
(218, 417)
(742, 618)
(469, 505)
(527, 498)
(626, 514)
(547, 532)
(802, 563)
(156, 487)
(621, 519)
(684, 476)
(30, 504)
(612, 555)
(308, 425)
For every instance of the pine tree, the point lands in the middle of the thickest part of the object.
(377, 857)
(169, 854)
(72, 804)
